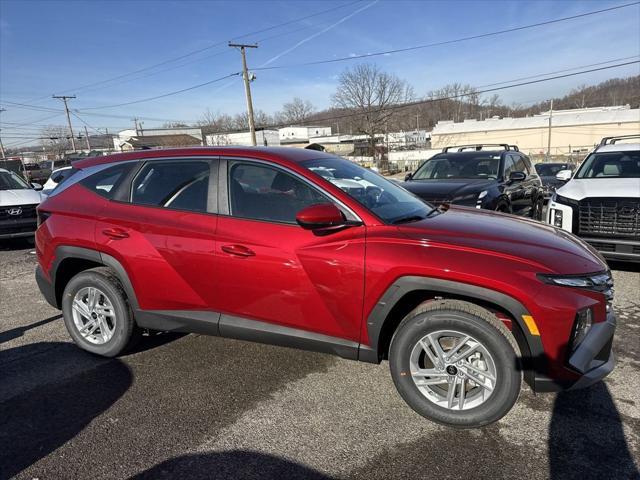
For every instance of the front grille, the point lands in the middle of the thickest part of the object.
(603, 247)
(612, 217)
(26, 211)
(10, 229)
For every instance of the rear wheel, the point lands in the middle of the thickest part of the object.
(97, 314)
(456, 364)
(503, 207)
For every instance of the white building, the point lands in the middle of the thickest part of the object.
(572, 131)
(295, 134)
(267, 138)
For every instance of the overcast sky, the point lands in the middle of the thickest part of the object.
(58, 47)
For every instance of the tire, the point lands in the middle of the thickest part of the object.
(536, 212)
(479, 406)
(120, 331)
(503, 207)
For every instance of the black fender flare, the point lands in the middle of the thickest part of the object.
(532, 360)
(65, 252)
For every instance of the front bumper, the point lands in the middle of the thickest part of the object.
(614, 249)
(22, 227)
(593, 359)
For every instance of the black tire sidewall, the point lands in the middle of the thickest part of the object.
(509, 376)
(120, 339)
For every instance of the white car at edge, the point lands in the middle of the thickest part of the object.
(18, 202)
(601, 202)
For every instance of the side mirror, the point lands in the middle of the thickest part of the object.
(324, 215)
(564, 175)
(36, 186)
(408, 176)
(517, 176)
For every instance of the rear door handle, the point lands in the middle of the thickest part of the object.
(115, 233)
(238, 250)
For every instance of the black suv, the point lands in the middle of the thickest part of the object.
(495, 177)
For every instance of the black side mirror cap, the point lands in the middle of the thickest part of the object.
(517, 176)
(408, 176)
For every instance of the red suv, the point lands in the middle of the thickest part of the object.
(303, 249)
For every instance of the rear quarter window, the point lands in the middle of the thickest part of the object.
(106, 182)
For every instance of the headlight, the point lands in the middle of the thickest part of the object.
(556, 217)
(597, 281)
(482, 194)
(582, 325)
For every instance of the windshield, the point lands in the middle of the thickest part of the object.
(611, 165)
(481, 166)
(550, 169)
(12, 181)
(393, 204)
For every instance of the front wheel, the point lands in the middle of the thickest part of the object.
(456, 364)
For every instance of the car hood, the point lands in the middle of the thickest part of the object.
(546, 248)
(577, 189)
(446, 189)
(19, 197)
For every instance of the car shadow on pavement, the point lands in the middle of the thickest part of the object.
(17, 244)
(586, 439)
(19, 331)
(231, 465)
(624, 266)
(35, 421)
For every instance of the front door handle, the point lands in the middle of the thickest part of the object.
(238, 250)
(115, 233)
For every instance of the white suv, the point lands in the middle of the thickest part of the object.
(601, 203)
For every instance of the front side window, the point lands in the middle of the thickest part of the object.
(519, 164)
(260, 192)
(12, 181)
(611, 165)
(509, 166)
(390, 202)
(181, 185)
(479, 166)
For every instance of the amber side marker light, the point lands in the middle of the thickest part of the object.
(531, 325)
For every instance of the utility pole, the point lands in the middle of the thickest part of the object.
(64, 98)
(86, 136)
(549, 134)
(4, 157)
(135, 122)
(247, 88)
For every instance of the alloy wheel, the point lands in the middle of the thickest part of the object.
(453, 370)
(93, 315)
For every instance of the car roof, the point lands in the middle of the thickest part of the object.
(290, 154)
(618, 147)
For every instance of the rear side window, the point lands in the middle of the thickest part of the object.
(181, 185)
(106, 181)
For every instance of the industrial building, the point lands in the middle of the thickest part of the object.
(572, 132)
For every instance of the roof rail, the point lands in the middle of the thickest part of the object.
(613, 140)
(480, 146)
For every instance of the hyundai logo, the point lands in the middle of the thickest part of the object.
(14, 211)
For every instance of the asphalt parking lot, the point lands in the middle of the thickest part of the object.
(190, 406)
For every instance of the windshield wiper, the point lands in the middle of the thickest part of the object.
(410, 218)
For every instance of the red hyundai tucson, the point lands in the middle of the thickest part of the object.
(304, 249)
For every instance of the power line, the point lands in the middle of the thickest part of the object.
(163, 95)
(462, 95)
(448, 42)
(209, 47)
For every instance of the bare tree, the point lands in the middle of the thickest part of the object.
(296, 111)
(56, 140)
(370, 93)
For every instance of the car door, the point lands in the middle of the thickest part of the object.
(516, 190)
(276, 276)
(161, 227)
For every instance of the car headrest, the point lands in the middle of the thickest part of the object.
(611, 169)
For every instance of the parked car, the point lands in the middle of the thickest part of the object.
(547, 173)
(37, 173)
(257, 244)
(57, 176)
(493, 177)
(18, 202)
(601, 203)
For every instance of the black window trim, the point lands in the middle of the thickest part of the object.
(223, 190)
(124, 193)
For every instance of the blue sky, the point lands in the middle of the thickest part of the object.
(55, 47)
